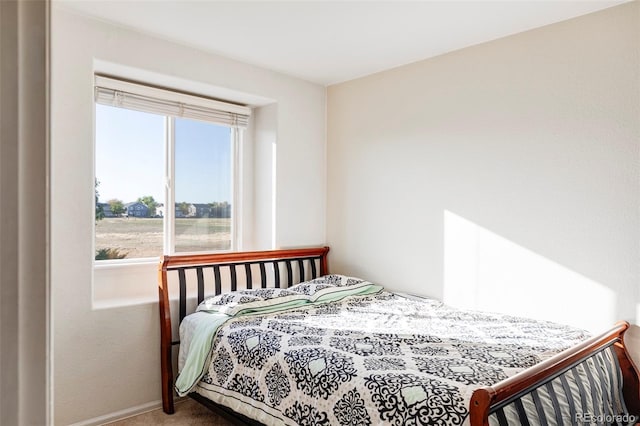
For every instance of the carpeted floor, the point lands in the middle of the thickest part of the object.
(188, 412)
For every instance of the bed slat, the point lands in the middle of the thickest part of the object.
(216, 279)
(554, 401)
(263, 276)
(234, 278)
(183, 293)
(289, 273)
(200, 284)
(276, 274)
(301, 265)
(247, 268)
(313, 268)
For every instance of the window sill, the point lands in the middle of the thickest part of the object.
(122, 263)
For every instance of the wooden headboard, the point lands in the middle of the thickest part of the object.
(215, 273)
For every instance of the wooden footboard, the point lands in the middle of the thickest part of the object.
(231, 271)
(491, 399)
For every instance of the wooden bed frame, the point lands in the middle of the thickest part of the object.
(283, 268)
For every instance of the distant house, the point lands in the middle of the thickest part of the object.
(106, 209)
(190, 210)
(196, 210)
(136, 209)
(202, 210)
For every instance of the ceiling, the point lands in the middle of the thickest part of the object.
(328, 42)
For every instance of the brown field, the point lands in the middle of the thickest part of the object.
(142, 237)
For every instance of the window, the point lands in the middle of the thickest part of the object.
(165, 172)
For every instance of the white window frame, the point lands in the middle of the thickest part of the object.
(174, 104)
(169, 236)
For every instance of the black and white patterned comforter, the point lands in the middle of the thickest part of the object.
(378, 359)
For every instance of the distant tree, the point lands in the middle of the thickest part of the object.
(184, 208)
(151, 204)
(99, 209)
(117, 206)
(109, 253)
(220, 209)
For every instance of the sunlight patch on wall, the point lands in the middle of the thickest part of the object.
(485, 271)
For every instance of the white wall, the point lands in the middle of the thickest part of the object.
(106, 355)
(529, 145)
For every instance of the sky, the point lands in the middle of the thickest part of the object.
(130, 157)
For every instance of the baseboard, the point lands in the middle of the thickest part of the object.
(120, 415)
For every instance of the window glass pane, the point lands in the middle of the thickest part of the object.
(203, 186)
(129, 183)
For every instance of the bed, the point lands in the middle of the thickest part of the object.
(270, 337)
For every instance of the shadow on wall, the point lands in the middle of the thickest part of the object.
(485, 271)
